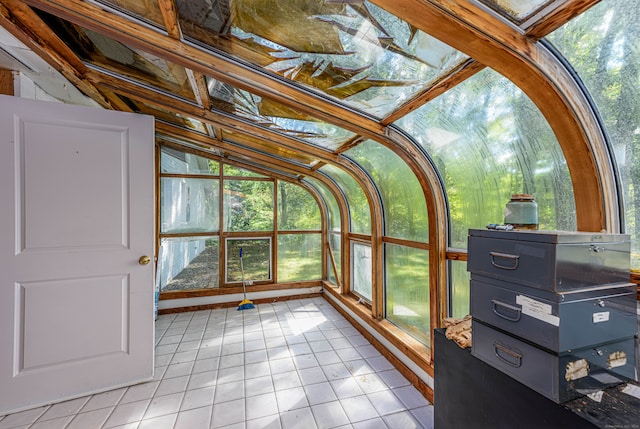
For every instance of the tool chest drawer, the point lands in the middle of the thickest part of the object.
(557, 322)
(556, 261)
(559, 377)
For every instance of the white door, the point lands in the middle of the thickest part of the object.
(76, 214)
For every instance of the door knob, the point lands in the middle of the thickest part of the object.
(144, 260)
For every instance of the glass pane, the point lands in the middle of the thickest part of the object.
(121, 59)
(407, 290)
(275, 116)
(232, 170)
(297, 209)
(269, 148)
(405, 208)
(460, 279)
(603, 46)
(165, 115)
(335, 245)
(299, 257)
(350, 51)
(361, 269)
(518, 9)
(188, 205)
(488, 141)
(174, 161)
(146, 9)
(330, 201)
(255, 263)
(188, 263)
(360, 216)
(248, 205)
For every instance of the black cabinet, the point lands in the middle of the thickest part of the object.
(470, 394)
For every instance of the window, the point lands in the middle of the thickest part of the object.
(603, 46)
(361, 270)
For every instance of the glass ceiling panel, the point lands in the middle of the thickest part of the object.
(518, 10)
(405, 208)
(488, 141)
(270, 148)
(360, 214)
(166, 115)
(174, 161)
(120, 59)
(351, 51)
(275, 116)
(146, 9)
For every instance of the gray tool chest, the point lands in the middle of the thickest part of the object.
(552, 309)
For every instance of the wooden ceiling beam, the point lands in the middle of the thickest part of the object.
(224, 121)
(137, 35)
(555, 19)
(536, 71)
(170, 17)
(26, 26)
(460, 74)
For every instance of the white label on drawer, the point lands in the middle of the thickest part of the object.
(601, 317)
(632, 390)
(537, 310)
(533, 304)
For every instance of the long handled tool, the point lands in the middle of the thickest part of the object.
(245, 303)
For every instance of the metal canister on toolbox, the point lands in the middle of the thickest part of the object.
(521, 212)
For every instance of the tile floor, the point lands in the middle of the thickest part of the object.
(291, 364)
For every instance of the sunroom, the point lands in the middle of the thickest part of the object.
(341, 150)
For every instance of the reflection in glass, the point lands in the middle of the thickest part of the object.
(174, 161)
(255, 261)
(351, 51)
(188, 263)
(603, 46)
(518, 9)
(107, 53)
(407, 290)
(161, 114)
(460, 291)
(232, 170)
(360, 216)
(331, 203)
(146, 9)
(248, 205)
(335, 241)
(299, 257)
(275, 116)
(297, 209)
(188, 205)
(488, 141)
(405, 208)
(361, 266)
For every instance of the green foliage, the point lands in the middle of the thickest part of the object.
(407, 290)
(248, 205)
(404, 204)
(603, 46)
(359, 211)
(299, 257)
(297, 209)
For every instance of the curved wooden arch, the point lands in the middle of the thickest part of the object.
(528, 64)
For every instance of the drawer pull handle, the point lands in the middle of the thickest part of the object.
(514, 258)
(497, 304)
(508, 356)
(596, 249)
